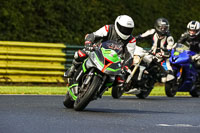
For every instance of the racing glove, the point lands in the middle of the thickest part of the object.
(167, 54)
(89, 46)
(195, 57)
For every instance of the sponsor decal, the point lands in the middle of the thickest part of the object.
(81, 54)
(132, 40)
(107, 28)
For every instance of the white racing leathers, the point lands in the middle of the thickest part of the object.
(108, 32)
(146, 58)
(160, 44)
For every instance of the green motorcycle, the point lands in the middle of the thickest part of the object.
(94, 76)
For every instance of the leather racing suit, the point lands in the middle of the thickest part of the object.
(105, 33)
(194, 45)
(161, 46)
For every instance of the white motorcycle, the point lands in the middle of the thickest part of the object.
(142, 76)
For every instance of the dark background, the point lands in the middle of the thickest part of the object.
(67, 21)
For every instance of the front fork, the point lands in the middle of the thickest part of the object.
(101, 88)
(88, 77)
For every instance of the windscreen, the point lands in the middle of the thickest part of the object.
(180, 48)
(112, 45)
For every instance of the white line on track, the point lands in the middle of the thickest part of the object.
(177, 125)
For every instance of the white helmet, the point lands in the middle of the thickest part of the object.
(193, 28)
(124, 26)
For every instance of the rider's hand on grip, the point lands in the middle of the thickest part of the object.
(159, 55)
(89, 46)
(167, 54)
(195, 57)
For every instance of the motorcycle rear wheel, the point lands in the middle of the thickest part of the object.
(68, 102)
(144, 94)
(195, 92)
(82, 102)
(117, 92)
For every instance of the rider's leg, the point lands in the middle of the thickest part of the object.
(79, 57)
(170, 75)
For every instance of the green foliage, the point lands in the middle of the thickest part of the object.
(70, 20)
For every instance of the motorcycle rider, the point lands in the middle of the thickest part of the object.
(162, 43)
(120, 32)
(191, 38)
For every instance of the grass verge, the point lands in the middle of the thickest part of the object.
(33, 90)
(157, 91)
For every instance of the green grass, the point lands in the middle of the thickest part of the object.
(160, 91)
(157, 91)
(33, 90)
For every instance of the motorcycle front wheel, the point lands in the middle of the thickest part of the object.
(170, 89)
(84, 97)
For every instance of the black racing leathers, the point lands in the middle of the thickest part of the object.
(193, 43)
(108, 32)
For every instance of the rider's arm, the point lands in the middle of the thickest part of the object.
(170, 42)
(129, 52)
(131, 46)
(145, 35)
(97, 35)
(183, 38)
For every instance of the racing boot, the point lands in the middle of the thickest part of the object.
(133, 91)
(69, 73)
(170, 76)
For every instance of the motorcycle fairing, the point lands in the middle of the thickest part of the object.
(74, 97)
(105, 60)
(181, 58)
(186, 70)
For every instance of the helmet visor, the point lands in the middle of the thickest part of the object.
(192, 32)
(124, 30)
(163, 28)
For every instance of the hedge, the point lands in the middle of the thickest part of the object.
(69, 20)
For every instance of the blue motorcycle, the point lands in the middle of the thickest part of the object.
(186, 76)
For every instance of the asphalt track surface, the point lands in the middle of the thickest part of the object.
(46, 114)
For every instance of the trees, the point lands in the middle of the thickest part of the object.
(69, 20)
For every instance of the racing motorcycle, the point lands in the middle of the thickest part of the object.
(186, 75)
(143, 76)
(94, 76)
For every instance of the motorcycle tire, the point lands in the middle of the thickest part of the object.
(195, 93)
(68, 102)
(144, 94)
(82, 102)
(170, 91)
(117, 92)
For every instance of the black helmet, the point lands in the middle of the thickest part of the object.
(162, 26)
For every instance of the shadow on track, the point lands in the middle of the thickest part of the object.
(126, 111)
(155, 98)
